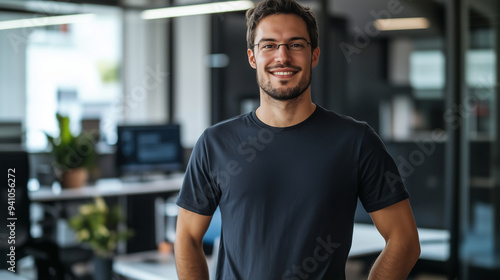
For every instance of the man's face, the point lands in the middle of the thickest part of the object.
(284, 74)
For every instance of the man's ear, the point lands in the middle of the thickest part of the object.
(251, 59)
(315, 57)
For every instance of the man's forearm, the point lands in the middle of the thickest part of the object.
(190, 260)
(395, 262)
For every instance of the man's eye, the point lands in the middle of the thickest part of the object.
(269, 46)
(296, 45)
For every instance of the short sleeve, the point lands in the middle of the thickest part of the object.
(380, 184)
(199, 193)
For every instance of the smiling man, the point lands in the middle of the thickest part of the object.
(287, 176)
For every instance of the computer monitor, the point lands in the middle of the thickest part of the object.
(143, 149)
(11, 132)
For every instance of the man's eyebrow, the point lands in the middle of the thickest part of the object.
(274, 40)
(268, 40)
(297, 38)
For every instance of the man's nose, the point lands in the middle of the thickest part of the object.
(282, 53)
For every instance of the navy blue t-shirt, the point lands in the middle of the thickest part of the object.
(287, 196)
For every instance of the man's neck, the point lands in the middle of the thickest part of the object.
(285, 113)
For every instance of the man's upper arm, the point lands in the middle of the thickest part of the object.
(192, 225)
(402, 248)
(396, 222)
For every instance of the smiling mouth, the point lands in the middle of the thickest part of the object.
(283, 73)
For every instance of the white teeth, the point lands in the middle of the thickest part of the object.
(282, 73)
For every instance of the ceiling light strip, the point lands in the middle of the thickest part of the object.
(402, 24)
(201, 9)
(44, 21)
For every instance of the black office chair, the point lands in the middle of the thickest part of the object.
(50, 260)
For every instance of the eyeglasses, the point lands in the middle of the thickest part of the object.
(270, 47)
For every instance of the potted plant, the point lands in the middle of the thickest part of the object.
(98, 225)
(73, 155)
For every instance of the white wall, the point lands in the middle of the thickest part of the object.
(192, 76)
(12, 72)
(145, 79)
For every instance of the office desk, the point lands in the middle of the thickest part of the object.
(135, 198)
(366, 240)
(146, 265)
(107, 187)
(151, 265)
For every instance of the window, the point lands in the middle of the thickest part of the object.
(73, 69)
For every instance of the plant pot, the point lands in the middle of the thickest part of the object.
(74, 178)
(103, 268)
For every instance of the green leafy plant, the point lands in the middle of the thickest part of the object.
(71, 151)
(97, 225)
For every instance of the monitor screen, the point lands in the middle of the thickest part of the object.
(11, 132)
(149, 148)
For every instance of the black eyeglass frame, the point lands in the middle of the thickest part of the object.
(278, 45)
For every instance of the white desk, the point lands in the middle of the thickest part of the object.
(107, 187)
(151, 265)
(146, 266)
(366, 240)
(57, 197)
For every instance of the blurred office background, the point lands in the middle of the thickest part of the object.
(426, 83)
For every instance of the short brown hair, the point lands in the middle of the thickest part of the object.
(272, 7)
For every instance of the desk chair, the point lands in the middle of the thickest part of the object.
(211, 242)
(51, 262)
(213, 234)
(166, 221)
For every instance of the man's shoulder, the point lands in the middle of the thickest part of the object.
(229, 125)
(341, 121)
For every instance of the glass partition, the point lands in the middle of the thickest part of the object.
(480, 202)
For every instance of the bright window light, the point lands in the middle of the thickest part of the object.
(44, 21)
(201, 9)
(402, 23)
